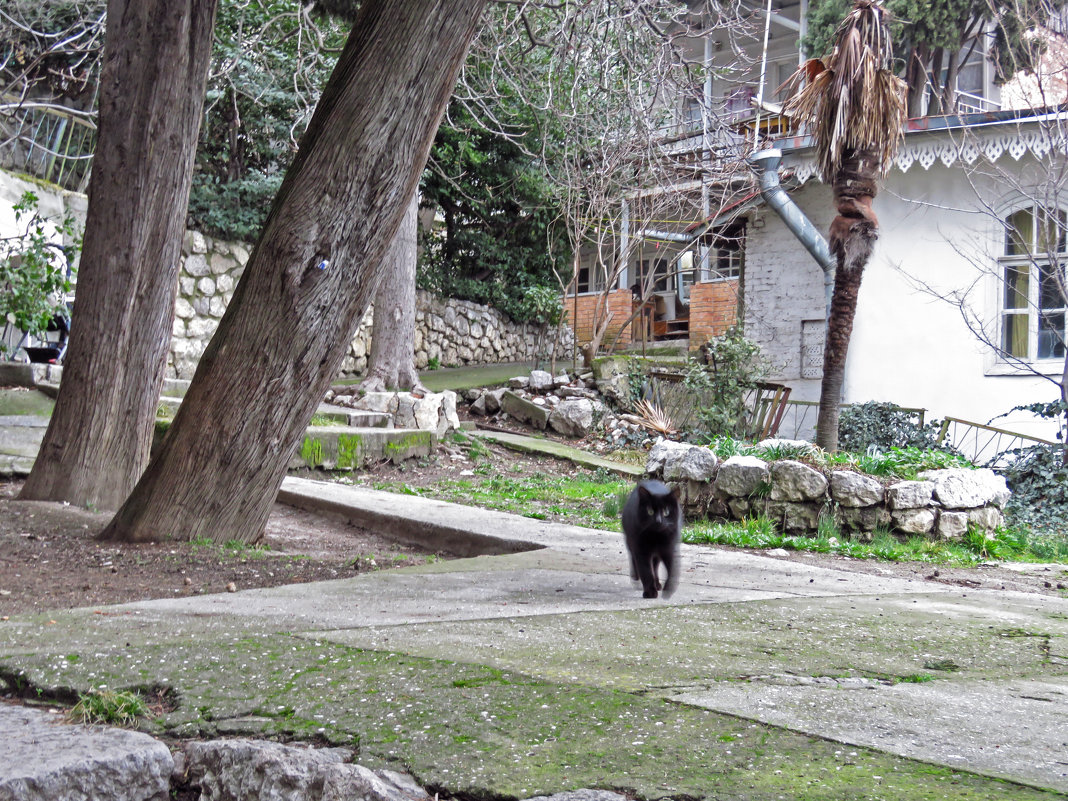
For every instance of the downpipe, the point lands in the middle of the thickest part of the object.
(765, 165)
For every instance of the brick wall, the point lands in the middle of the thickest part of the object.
(783, 283)
(580, 312)
(713, 309)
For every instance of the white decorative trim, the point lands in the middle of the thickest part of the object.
(950, 147)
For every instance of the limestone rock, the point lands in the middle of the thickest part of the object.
(798, 444)
(519, 382)
(662, 451)
(478, 406)
(572, 418)
(959, 488)
(952, 525)
(194, 242)
(741, 476)
(854, 490)
(384, 402)
(524, 410)
(692, 463)
(913, 521)
(793, 481)
(987, 518)
(866, 518)
(909, 494)
(196, 266)
(255, 770)
(44, 760)
(540, 381)
(493, 400)
(794, 516)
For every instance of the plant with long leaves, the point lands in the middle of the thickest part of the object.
(854, 107)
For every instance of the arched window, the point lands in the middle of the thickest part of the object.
(1035, 295)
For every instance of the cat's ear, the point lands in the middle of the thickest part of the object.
(643, 493)
(675, 492)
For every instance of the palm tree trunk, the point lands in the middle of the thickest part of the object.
(852, 237)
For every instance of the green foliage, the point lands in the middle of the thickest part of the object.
(1038, 479)
(932, 32)
(269, 64)
(881, 426)
(34, 268)
(734, 366)
(232, 210)
(905, 463)
(901, 463)
(496, 243)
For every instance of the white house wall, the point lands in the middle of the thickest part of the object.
(907, 346)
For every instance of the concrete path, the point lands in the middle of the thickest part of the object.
(971, 680)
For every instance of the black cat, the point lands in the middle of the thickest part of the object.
(652, 527)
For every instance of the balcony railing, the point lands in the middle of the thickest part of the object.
(47, 142)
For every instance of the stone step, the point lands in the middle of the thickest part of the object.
(354, 417)
(351, 447)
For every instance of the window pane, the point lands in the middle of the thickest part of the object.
(1016, 287)
(1050, 232)
(1051, 289)
(1051, 335)
(1014, 335)
(1019, 233)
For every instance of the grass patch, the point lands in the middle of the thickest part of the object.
(590, 498)
(108, 706)
(761, 532)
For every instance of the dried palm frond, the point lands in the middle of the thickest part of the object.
(856, 103)
(654, 418)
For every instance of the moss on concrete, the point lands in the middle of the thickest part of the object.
(25, 402)
(489, 732)
(409, 445)
(348, 451)
(311, 451)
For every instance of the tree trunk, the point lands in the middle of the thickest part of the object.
(851, 239)
(309, 279)
(151, 95)
(392, 361)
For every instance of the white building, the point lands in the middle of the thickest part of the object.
(958, 250)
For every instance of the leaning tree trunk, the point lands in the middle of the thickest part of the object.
(309, 279)
(392, 361)
(851, 239)
(152, 87)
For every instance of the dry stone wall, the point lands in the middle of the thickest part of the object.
(447, 332)
(941, 503)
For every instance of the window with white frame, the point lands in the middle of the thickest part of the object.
(728, 252)
(1034, 293)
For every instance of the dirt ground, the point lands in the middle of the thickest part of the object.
(50, 559)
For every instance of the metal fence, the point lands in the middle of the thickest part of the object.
(761, 408)
(983, 444)
(48, 142)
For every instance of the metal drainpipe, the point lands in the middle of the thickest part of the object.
(766, 166)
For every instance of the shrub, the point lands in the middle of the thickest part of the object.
(1038, 479)
(720, 387)
(883, 426)
(35, 269)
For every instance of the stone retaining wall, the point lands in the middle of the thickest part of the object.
(447, 332)
(941, 503)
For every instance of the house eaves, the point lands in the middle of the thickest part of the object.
(962, 139)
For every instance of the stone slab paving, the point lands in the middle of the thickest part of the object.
(968, 679)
